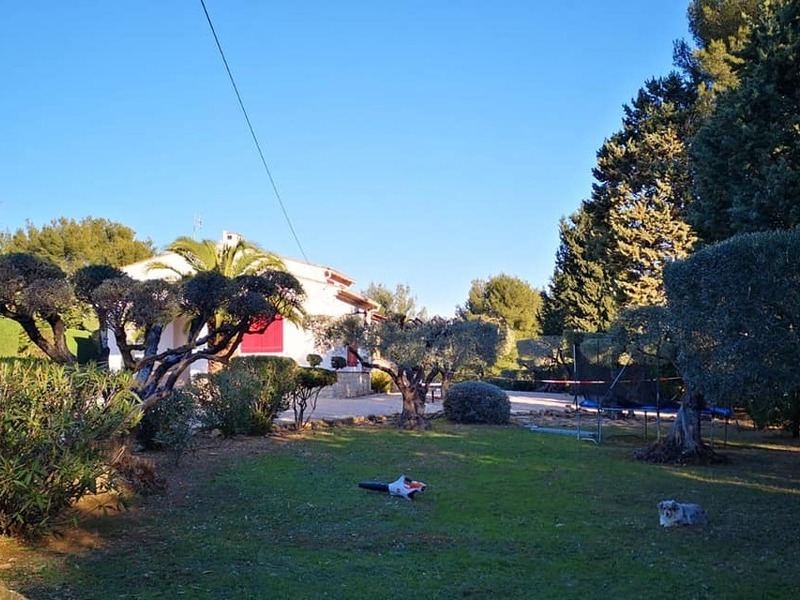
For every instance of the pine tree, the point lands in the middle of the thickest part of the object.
(508, 300)
(643, 190)
(579, 297)
(746, 157)
(720, 30)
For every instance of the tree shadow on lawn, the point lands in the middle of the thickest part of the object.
(762, 462)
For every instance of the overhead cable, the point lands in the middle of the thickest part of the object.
(252, 131)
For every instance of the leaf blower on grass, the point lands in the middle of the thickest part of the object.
(403, 486)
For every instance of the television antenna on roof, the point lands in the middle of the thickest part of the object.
(197, 225)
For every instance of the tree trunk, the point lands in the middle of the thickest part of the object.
(152, 337)
(56, 350)
(685, 431)
(684, 443)
(413, 390)
(413, 415)
(105, 349)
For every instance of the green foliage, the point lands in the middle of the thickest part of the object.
(721, 29)
(644, 334)
(308, 383)
(73, 244)
(55, 426)
(514, 384)
(225, 401)
(170, 424)
(613, 249)
(35, 293)
(314, 360)
(380, 382)
(251, 393)
(580, 296)
(413, 351)
(510, 300)
(230, 258)
(746, 157)
(277, 377)
(545, 357)
(737, 331)
(477, 402)
(338, 362)
(393, 304)
(643, 190)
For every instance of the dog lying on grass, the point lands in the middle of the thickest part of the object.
(672, 514)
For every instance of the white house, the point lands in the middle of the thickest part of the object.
(328, 292)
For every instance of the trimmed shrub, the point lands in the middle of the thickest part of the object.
(308, 384)
(380, 382)
(169, 425)
(477, 402)
(224, 400)
(247, 396)
(277, 377)
(314, 360)
(56, 427)
(338, 362)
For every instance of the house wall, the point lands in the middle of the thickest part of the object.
(298, 343)
(349, 384)
(322, 286)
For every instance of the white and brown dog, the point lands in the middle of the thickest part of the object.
(672, 513)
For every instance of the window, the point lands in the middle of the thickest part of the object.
(271, 340)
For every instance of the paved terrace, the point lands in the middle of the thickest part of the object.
(389, 404)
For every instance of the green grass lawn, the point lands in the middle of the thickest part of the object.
(507, 514)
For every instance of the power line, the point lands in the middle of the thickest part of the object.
(252, 131)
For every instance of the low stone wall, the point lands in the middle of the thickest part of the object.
(349, 384)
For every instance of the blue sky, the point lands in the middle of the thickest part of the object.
(428, 143)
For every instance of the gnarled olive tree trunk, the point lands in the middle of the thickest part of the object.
(413, 388)
(684, 443)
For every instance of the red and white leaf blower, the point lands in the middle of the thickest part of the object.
(403, 486)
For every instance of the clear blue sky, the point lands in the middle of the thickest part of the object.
(421, 142)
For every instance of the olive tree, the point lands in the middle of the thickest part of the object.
(736, 322)
(413, 352)
(645, 334)
(136, 312)
(36, 293)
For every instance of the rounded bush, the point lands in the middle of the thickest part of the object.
(380, 382)
(477, 402)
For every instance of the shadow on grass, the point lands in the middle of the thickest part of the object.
(507, 514)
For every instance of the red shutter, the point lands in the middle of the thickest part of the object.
(271, 340)
(352, 359)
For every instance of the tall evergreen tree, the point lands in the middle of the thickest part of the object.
(579, 296)
(644, 185)
(612, 253)
(613, 250)
(746, 157)
(720, 30)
